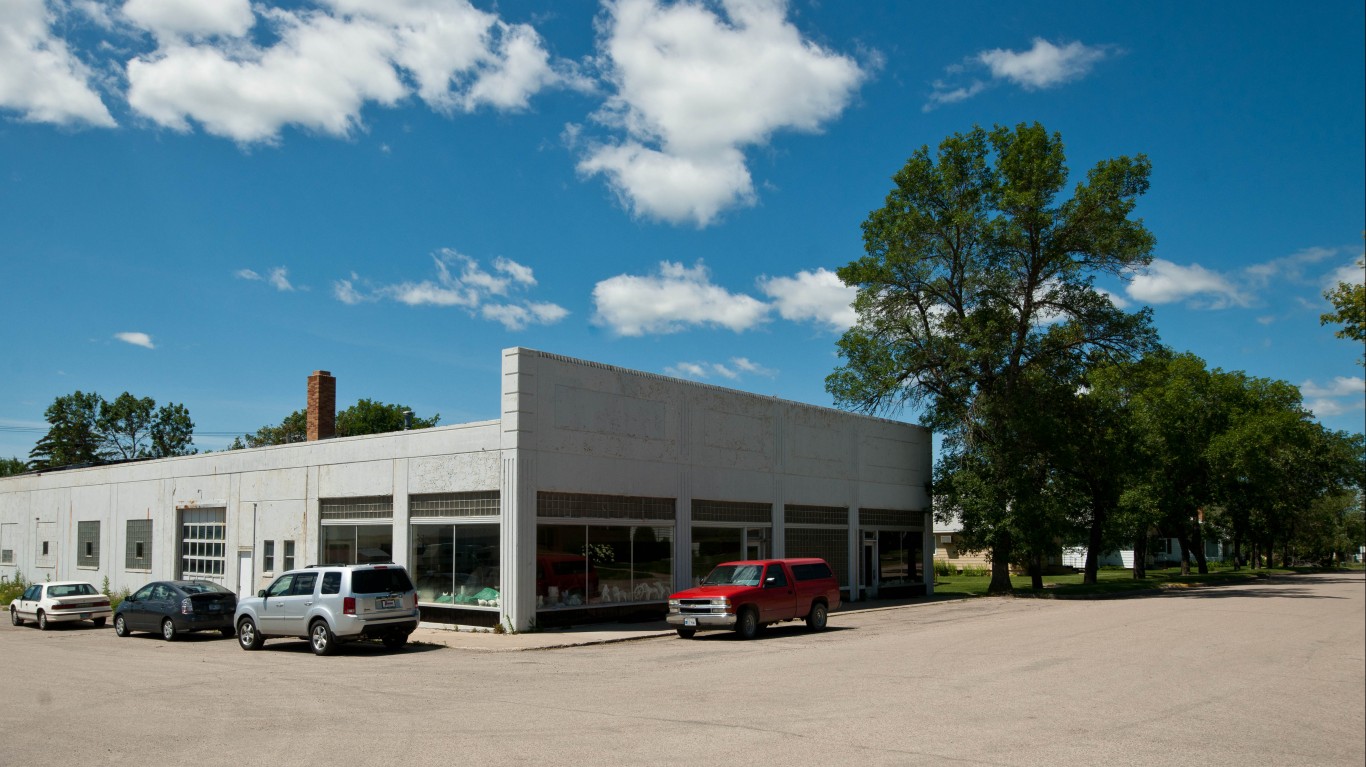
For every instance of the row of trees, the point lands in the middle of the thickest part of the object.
(86, 428)
(1062, 416)
(365, 417)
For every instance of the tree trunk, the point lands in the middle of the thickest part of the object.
(1000, 567)
(1094, 543)
(1198, 543)
(1036, 572)
(1141, 556)
(1183, 539)
(1237, 549)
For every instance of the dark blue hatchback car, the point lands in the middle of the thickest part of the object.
(172, 608)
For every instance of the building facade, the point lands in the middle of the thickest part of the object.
(597, 493)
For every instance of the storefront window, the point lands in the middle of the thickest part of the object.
(899, 557)
(357, 544)
(456, 565)
(579, 565)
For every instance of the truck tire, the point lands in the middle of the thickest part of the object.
(687, 633)
(747, 625)
(815, 620)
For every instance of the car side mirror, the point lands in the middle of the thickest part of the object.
(261, 593)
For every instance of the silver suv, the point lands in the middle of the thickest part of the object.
(329, 605)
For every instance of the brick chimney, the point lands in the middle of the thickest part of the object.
(322, 406)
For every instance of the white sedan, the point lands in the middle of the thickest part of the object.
(59, 602)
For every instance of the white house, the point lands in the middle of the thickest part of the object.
(597, 492)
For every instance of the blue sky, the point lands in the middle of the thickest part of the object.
(203, 202)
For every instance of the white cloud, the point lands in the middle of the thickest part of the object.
(327, 64)
(691, 89)
(819, 297)
(1342, 386)
(1164, 282)
(468, 285)
(136, 339)
(731, 371)
(171, 19)
(672, 299)
(1353, 273)
(1329, 408)
(277, 277)
(1045, 65)
(40, 78)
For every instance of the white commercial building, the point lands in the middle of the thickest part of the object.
(598, 492)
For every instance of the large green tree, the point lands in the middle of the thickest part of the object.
(72, 437)
(11, 466)
(978, 275)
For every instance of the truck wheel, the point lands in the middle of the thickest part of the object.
(748, 624)
(687, 633)
(815, 620)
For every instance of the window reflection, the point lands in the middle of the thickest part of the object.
(579, 565)
(457, 565)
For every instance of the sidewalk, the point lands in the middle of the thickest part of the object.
(484, 640)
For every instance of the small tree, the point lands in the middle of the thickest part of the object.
(11, 466)
(73, 437)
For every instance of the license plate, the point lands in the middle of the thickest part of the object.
(215, 607)
(689, 621)
(386, 604)
(85, 616)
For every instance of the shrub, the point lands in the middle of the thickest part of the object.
(11, 589)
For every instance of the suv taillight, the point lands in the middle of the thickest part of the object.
(349, 605)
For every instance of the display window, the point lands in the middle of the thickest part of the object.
(357, 544)
(456, 565)
(581, 565)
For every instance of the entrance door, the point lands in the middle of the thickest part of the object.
(870, 565)
(756, 543)
(246, 584)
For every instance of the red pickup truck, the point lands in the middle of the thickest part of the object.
(746, 596)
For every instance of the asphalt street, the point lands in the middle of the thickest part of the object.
(1268, 673)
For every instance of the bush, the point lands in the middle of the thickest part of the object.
(11, 589)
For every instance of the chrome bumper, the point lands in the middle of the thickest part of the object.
(701, 620)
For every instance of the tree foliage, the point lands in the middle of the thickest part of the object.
(11, 466)
(1349, 309)
(364, 417)
(976, 288)
(86, 428)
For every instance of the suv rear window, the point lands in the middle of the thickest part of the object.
(380, 581)
(811, 572)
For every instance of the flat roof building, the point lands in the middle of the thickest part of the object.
(598, 492)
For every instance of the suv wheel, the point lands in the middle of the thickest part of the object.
(248, 636)
(321, 638)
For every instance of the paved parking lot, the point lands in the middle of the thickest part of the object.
(1271, 673)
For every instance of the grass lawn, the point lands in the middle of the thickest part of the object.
(1109, 581)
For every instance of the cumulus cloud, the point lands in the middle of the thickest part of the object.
(136, 339)
(1045, 65)
(1353, 273)
(1342, 386)
(691, 89)
(1164, 282)
(460, 281)
(819, 297)
(326, 64)
(672, 299)
(40, 78)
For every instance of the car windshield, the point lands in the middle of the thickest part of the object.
(72, 590)
(735, 575)
(202, 587)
